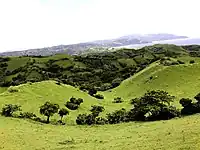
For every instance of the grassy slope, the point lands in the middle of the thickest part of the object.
(174, 134)
(180, 81)
(33, 96)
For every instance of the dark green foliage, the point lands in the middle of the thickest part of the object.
(71, 106)
(96, 110)
(49, 109)
(63, 112)
(101, 121)
(99, 96)
(9, 109)
(118, 100)
(81, 119)
(74, 103)
(185, 102)
(92, 92)
(192, 61)
(154, 105)
(28, 115)
(118, 116)
(190, 107)
(97, 71)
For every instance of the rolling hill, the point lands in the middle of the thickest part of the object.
(163, 67)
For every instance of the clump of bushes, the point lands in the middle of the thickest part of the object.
(89, 119)
(28, 115)
(74, 103)
(99, 96)
(9, 109)
(118, 100)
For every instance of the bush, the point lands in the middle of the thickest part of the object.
(101, 121)
(74, 103)
(96, 110)
(118, 116)
(99, 96)
(28, 115)
(192, 61)
(71, 106)
(117, 100)
(9, 109)
(81, 119)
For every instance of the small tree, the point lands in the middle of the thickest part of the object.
(9, 109)
(49, 109)
(63, 112)
(96, 110)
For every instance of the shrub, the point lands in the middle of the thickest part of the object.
(117, 116)
(192, 61)
(71, 106)
(117, 100)
(99, 96)
(28, 115)
(81, 119)
(96, 110)
(101, 121)
(9, 109)
(49, 109)
(63, 112)
(185, 102)
(77, 101)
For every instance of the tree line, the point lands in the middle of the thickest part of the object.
(153, 105)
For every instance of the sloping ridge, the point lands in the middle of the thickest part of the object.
(179, 80)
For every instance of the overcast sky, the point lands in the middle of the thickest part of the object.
(39, 23)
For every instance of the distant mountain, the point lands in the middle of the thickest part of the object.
(184, 41)
(74, 49)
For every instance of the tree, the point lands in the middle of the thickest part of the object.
(63, 112)
(49, 109)
(154, 105)
(9, 109)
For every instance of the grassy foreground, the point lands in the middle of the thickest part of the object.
(176, 134)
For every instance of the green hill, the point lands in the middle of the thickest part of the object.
(126, 73)
(179, 80)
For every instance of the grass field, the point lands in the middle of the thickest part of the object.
(176, 134)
